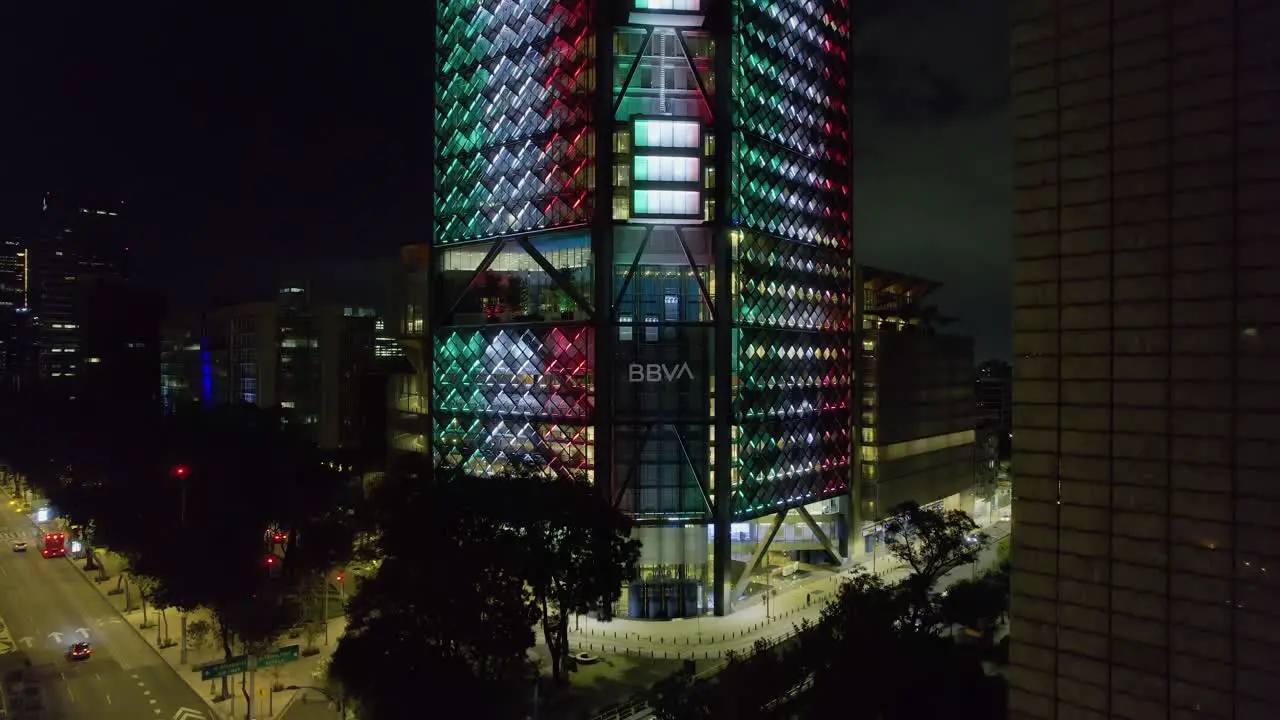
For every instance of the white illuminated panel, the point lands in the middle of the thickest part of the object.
(668, 134)
(677, 5)
(666, 202)
(666, 169)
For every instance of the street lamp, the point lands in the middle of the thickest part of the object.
(180, 473)
(342, 703)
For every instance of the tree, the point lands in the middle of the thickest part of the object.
(931, 543)
(577, 549)
(448, 626)
(977, 604)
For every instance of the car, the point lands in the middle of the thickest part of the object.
(79, 651)
(585, 658)
(19, 546)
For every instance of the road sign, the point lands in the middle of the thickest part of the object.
(281, 656)
(186, 713)
(237, 664)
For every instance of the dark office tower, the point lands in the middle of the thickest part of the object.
(1146, 582)
(120, 336)
(78, 239)
(17, 340)
(642, 239)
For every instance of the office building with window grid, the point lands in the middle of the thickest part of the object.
(1146, 544)
(642, 269)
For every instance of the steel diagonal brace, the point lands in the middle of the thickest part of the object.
(697, 76)
(556, 274)
(750, 568)
(631, 471)
(635, 264)
(827, 545)
(622, 93)
(481, 269)
(684, 450)
(693, 266)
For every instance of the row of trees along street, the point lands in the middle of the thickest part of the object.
(460, 574)
(879, 651)
(194, 503)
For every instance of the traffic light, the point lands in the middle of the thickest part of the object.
(271, 560)
(339, 577)
(180, 471)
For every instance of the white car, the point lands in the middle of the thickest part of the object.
(19, 546)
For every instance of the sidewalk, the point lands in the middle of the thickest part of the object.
(301, 673)
(709, 637)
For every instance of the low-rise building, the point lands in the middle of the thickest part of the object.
(916, 403)
(314, 361)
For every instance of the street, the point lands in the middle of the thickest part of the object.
(47, 605)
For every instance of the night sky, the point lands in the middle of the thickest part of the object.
(281, 141)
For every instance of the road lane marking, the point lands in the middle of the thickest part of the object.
(98, 676)
(108, 699)
(141, 684)
(146, 692)
(153, 701)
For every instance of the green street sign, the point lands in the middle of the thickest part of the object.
(281, 656)
(235, 665)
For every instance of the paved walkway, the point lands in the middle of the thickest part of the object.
(710, 637)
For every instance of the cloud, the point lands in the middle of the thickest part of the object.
(932, 187)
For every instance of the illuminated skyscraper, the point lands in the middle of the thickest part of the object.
(612, 260)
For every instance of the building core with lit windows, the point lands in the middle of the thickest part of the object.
(641, 276)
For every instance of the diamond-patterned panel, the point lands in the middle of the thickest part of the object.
(786, 285)
(789, 195)
(793, 403)
(514, 393)
(494, 446)
(791, 86)
(791, 205)
(783, 464)
(513, 106)
(517, 371)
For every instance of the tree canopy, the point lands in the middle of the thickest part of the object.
(468, 566)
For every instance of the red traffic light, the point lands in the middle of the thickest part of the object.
(339, 577)
(271, 559)
(180, 471)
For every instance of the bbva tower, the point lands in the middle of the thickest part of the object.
(643, 271)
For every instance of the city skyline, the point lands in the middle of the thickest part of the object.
(303, 153)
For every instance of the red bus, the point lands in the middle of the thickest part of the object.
(55, 545)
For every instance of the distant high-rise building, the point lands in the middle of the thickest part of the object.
(1146, 339)
(17, 336)
(77, 240)
(312, 360)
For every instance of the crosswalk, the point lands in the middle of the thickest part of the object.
(11, 535)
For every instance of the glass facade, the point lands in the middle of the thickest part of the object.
(611, 259)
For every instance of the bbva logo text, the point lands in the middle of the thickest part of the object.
(659, 372)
